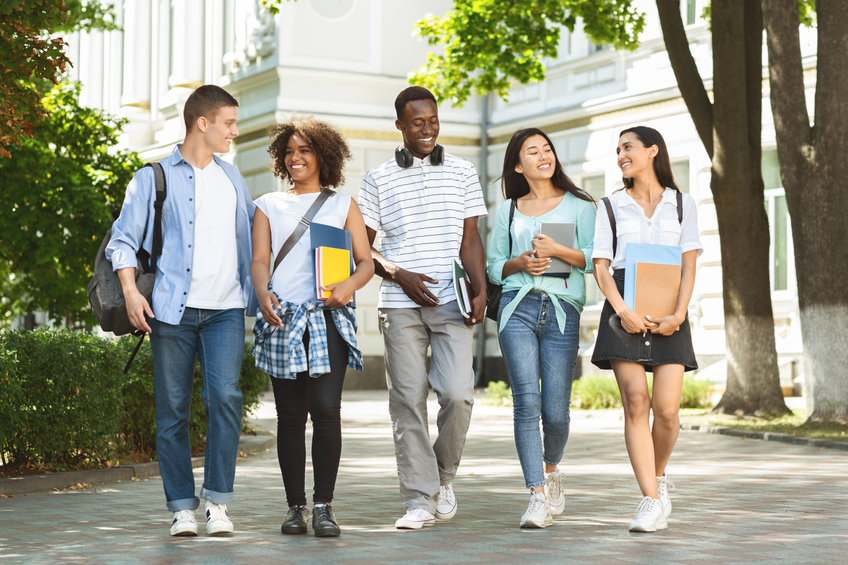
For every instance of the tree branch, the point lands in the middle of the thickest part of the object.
(689, 81)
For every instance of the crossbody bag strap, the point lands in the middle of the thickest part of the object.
(679, 207)
(301, 227)
(611, 216)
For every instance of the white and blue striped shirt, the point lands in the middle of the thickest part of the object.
(419, 214)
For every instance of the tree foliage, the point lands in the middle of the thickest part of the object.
(30, 58)
(61, 190)
(490, 44)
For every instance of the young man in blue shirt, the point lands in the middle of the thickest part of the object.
(202, 288)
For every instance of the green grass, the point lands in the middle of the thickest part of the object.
(793, 424)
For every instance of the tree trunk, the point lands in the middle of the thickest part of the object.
(730, 130)
(814, 169)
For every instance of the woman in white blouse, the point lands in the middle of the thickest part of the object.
(649, 209)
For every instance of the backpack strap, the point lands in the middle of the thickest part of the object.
(509, 225)
(301, 227)
(148, 260)
(611, 217)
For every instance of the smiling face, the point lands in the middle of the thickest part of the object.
(536, 160)
(301, 162)
(419, 124)
(634, 159)
(220, 129)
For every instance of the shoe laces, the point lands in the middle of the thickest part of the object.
(664, 485)
(648, 506)
(184, 516)
(298, 512)
(217, 512)
(537, 501)
(446, 495)
(419, 514)
(323, 513)
(554, 485)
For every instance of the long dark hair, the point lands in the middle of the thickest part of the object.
(662, 162)
(514, 185)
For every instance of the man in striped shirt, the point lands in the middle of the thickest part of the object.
(425, 204)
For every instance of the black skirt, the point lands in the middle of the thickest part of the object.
(649, 350)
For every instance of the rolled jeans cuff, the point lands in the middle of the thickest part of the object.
(216, 497)
(183, 504)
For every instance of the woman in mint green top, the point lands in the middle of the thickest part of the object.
(539, 315)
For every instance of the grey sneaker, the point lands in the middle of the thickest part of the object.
(554, 492)
(537, 515)
(295, 522)
(663, 486)
(324, 523)
(649, 516)
(184, 524)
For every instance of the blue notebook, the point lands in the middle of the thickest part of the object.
(645, 253)
(322, 235)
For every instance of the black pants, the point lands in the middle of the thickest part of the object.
(321, 398)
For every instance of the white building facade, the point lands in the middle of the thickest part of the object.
(344, 61)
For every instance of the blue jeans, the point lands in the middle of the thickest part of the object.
(217, 337)
(534, 349)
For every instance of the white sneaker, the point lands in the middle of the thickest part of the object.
(649, 516)
(415, 519)
(538, 515)
(663, 486)
(553, 490)
(184, 523)
(217, 519)
(446, 505)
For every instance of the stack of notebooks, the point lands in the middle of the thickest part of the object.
(652, 278)
(333, 257)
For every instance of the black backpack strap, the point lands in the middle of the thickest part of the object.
(161, 193)
(679, 207)
(611, 216)
(301, 227)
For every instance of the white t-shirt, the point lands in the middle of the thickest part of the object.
(214, 266)
(294, 279)
(632, 225)
(421, 213)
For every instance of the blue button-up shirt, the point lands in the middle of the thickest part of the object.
(173, 269)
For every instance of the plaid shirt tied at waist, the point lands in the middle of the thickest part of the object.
(280, 352)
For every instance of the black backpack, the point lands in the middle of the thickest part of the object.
(104, 289)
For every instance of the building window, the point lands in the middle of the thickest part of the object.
(595, 185)
(781, 252)
(691, 13)
(680, 170)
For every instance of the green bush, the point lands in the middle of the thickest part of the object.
(594, 392)
(60, 392)
(497, 393)
(66, 403)
(599, 392)
(138, 422)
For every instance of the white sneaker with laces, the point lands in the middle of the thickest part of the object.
(184, 523)
(446, 505)
(538, 515)
(663, 486)
(554, 492)
(415, 519)
(217, 519)
(649, 516)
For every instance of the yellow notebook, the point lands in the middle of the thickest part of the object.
(332, 265)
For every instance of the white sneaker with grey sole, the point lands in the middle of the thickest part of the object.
(554, 492)
(663, 486)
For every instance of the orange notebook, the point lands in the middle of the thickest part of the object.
(657, 289)
(332, 265)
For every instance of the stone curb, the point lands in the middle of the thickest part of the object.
(767, 436)
(248, 445)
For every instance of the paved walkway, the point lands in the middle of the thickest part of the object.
(736, 501)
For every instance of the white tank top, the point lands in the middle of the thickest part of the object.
(294, 279)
